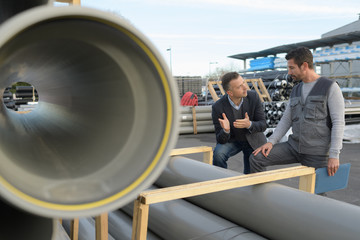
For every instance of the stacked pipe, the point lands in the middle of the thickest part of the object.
(203, 121)
(279, 90)
(273, 112)
(270, 210)
(180, 219)
(352, 112)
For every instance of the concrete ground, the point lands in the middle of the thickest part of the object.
(349, 154)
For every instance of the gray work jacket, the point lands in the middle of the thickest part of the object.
(311, 123)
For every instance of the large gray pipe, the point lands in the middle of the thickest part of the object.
(86, 229)
(120, 226)
(18, 224)
(85, 149)
(271, 210)
(179, 220)
(9, 8)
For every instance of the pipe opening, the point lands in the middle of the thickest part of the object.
(20, 97)
(102, 121)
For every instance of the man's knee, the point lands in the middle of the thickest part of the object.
(219, 159)
(256, 163)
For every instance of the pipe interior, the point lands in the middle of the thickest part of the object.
(101, 113)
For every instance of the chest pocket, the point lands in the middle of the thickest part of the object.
(296, 108)
(316, 109)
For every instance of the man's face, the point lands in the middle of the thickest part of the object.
(295, 71)
(238, 88)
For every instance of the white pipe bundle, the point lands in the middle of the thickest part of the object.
(202, 120)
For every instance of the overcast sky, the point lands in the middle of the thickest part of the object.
(200, 32)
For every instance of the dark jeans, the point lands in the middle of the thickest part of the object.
(223, 152)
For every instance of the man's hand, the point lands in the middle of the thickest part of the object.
(243, 123)
(225, 124)
(264, 149)
(333, 166)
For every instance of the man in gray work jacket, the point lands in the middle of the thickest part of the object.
(316, 115)
(239, 121)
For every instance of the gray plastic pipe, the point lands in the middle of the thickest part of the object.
(74, 156)
(18, 224)
(271, 210)
(120, 226)
(86, 229)
(179, 220)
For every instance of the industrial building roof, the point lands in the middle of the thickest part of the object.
(312, 44)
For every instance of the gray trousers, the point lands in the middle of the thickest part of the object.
(283, 153)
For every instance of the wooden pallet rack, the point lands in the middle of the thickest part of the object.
(257, 84)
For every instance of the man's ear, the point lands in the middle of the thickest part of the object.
(229, 93)
(304, 66)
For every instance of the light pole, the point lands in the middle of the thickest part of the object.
(169, 49)
(210, 67)
(207, 80)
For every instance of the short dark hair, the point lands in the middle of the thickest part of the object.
(226, 79)
(301, 55)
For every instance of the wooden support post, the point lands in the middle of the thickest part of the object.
(307, 183)
(212, 90)
(74, 229)
(258, 85)
(140, 220)
(221, 88)
(208, 157)
(194, 119)
(101, 223)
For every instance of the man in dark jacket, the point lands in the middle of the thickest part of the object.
(239, 121)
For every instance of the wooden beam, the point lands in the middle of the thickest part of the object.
(207, 152)
(259, 87)
(221, 87)
(189, 150)
(212, 90)
(194, 119)
(102, 226)
(74, 2)
(194, 189)
(74, 229)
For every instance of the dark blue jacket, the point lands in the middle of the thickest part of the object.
(253, 106)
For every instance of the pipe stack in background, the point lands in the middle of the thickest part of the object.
(202, 120)
(273, 112)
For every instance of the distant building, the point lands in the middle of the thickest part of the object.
(348, 67)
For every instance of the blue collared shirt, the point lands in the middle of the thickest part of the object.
(234, 105)
(237, 108)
